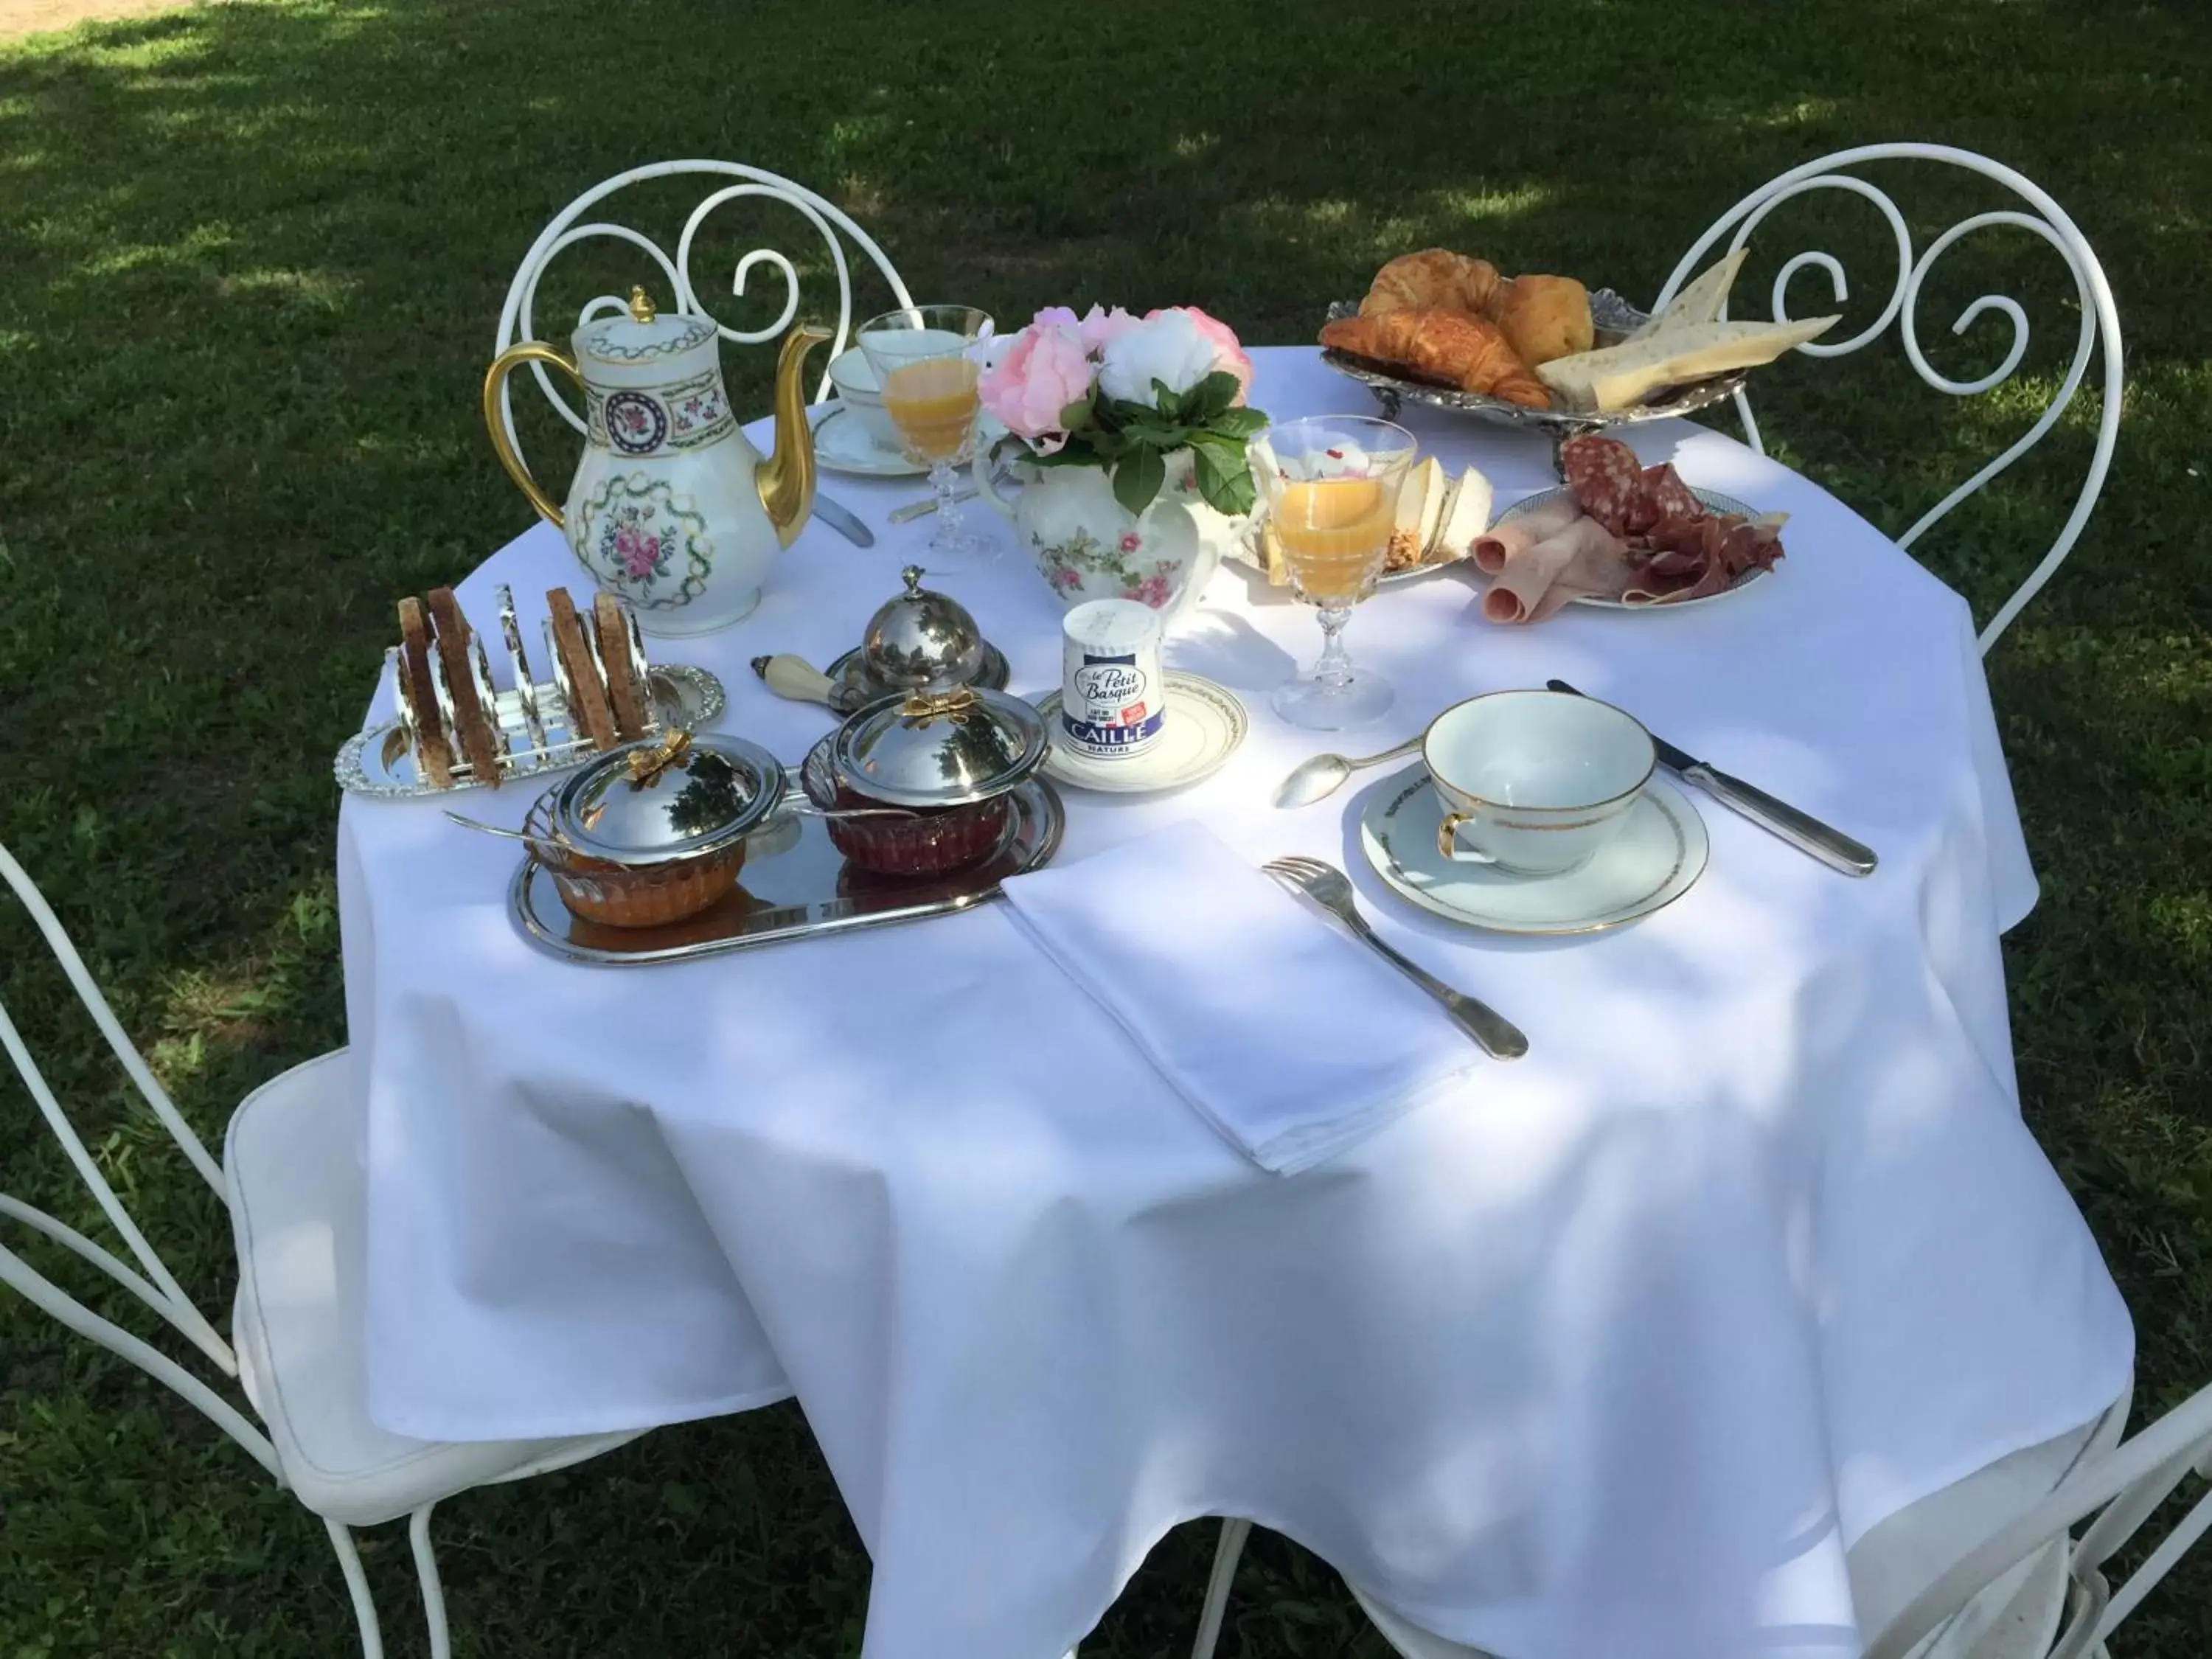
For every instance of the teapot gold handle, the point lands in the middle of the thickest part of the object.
(495, 422)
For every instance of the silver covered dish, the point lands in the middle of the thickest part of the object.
(938, 749)
(655, 831)
(921, 638)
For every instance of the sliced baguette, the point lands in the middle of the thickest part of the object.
(589, 710)
(473, 722)
(1619, 377)
(610, 625)
(1702, 301)
(419, 692)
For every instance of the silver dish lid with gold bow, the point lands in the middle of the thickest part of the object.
(661, 800)
(939, 748)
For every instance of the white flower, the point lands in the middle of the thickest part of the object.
(1168, 348)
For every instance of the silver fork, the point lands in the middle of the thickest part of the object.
(1328, 887)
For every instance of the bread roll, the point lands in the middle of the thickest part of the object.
(1449, 346)
(1544, 317)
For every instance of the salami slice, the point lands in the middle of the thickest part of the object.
(1670, 496)
(1606, 478)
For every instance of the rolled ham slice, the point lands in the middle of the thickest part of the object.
(1491, 550)
(1583, 558)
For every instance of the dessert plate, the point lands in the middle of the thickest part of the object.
(1656, 858)
(1205, 724)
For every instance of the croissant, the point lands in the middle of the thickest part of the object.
(1435, 277)
(1449, 346)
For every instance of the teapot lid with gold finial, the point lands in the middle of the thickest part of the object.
(641, 336)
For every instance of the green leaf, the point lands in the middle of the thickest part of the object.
(1238, 422)
(1138, 477)
(1223, 479)
(1212, 396)
(1162, 438)
(1077, 415)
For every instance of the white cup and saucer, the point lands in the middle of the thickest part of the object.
(854, 434)
(1535, 812)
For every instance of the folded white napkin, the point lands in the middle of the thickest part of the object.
(1289, 1036)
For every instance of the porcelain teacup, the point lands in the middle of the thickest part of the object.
(1535, 783)
(854, 377)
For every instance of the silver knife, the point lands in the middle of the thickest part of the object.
(843, 519)
(1800, 830)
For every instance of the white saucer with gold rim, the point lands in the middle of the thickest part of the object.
(1657, 857)
(842, 444)
(1205, 725)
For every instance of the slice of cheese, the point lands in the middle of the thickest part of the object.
(1618, 377)
(1700, 302)
(1466, 515)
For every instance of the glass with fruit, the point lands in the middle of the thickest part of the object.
(1331, 486)
(927, 360)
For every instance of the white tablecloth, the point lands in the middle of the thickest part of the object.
(1613, 1354)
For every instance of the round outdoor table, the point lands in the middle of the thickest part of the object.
(1613, 1352)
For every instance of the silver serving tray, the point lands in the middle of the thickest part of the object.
(1613, 319)
(381, 760)
(795, 884)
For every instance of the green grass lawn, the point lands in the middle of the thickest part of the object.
(250, 259)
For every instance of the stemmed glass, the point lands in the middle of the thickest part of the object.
(1331, 485)
(927, 360)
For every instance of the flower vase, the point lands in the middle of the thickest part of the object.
(1087, 545)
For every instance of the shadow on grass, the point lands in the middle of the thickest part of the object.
(255, 257)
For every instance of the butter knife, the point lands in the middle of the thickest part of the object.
(1800, 830)
(843, 519)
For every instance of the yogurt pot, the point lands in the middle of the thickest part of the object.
(1112, 693)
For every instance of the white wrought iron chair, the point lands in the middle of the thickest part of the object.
(293, 1184)
(750, 182)
(2101, 322)
(2030, 1590)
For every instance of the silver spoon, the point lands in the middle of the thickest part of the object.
(1320, 776)
(478, 824)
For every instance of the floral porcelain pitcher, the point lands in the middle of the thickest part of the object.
(671, 508)
(1087, 546)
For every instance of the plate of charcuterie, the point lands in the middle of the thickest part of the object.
(1623, 537)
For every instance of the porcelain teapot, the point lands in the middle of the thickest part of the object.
(671, 509)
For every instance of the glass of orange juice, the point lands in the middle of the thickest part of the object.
(927, 360)
(1331, 487)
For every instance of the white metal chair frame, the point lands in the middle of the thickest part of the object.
(827, 218)
(158, 1288)
(2126, 1482)
(2100, 319)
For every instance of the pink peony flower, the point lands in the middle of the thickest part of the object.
(1041, 373)
(1056, 316)
(1098, 328)
(1228, 352)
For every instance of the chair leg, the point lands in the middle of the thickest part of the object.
(425, 1571)
(364, 1609)
(1233, 1534)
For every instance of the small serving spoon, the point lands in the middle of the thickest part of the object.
(1321, 775)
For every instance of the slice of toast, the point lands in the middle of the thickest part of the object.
(473, 722)
(420, 695)
(612, 624)
(589, 710)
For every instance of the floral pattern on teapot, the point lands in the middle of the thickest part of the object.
(645, 543)
(645, 421)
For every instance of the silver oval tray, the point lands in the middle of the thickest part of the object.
(381, 760)
(1613, 319)
(795, 884)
